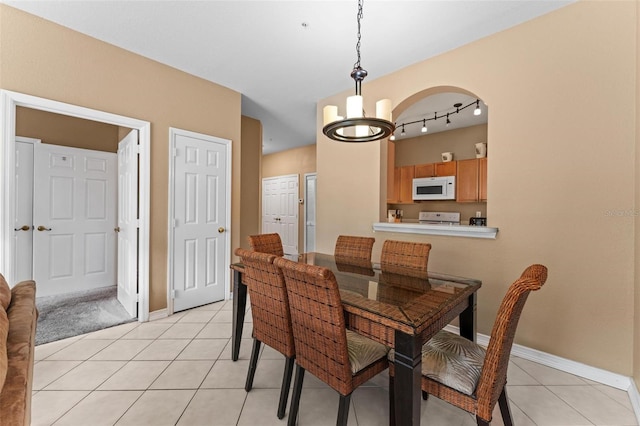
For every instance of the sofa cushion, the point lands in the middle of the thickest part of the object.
(4, 331)
(5, 293)
(15, 398)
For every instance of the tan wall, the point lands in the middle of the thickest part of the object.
(294, 161)
(636, 334)
(561, 91)
(427, 148)
(63, 130)
(43, 59)
(251, 182)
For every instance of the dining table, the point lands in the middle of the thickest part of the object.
(402, 310)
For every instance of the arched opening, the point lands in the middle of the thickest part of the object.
(441, 131)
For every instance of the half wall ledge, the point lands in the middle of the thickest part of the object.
(437, 229)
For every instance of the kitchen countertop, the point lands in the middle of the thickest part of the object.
(452, 230)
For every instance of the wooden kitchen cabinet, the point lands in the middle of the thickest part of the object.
(425, 170)
(393, 177)
(436, 169)
(471, 180)
(482, 184)
(446, 169)
(407, 173)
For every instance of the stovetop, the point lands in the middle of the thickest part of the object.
(444, 218)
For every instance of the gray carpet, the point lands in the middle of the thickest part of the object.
(72, 314)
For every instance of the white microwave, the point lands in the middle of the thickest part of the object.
(434, 188)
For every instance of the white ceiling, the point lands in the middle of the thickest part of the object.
(284, 56)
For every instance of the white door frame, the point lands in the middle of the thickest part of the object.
(26, 244)
(8, 102)
(307, 176)
(173, 132)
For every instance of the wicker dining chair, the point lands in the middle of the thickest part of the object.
(351, 247)
(267, 243)
(405, 258)
(466, 375)
(354, 266)
(339, 357)
(271, 317)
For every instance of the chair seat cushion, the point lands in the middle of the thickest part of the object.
(363, 351)
(453, 361)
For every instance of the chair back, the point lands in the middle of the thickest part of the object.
(354, 266)
(318, 323)
(269, 301)
(356, 248)
(496, 361)
(405, 258)
(267, 243)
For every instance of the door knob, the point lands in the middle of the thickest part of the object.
(43, 228)
(117, 229)
(221, 230)
(22, 228)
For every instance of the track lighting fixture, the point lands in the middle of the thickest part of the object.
(458, 108)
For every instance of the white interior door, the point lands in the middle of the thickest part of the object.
(75, 218)
(270, 206)
(200, 218)
(280, 210)
(310, 212)
(128, 223)
(23, 227)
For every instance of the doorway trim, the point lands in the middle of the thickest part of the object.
(308, 177)
(8, 102)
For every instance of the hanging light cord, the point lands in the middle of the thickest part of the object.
(359, 17)
(358, 74)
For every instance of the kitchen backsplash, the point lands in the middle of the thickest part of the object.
(467, 210)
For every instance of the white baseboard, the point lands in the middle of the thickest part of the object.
(599, 375)
(595, 374)
(159, 314)
(634, 396)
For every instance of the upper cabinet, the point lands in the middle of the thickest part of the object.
(435, 169)
(471, 180)
(425, 170)
(407, 173)
(482, 179)
(446, 169)
(393, 181)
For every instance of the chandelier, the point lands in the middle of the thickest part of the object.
(357, 127)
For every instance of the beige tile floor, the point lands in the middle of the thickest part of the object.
(178, 371)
